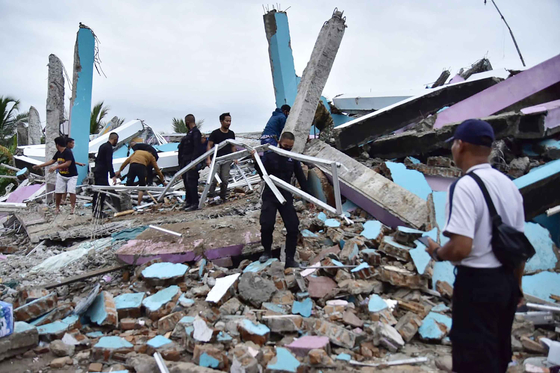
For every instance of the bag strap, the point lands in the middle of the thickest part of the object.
(489, 203)
(451, 191)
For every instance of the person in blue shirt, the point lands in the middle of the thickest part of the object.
(275, 126)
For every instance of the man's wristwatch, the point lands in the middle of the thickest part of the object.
(435, 255)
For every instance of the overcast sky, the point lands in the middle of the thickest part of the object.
(164, 59)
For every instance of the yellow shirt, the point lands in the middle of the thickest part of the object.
(144, 158)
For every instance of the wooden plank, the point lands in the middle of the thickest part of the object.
(84, 276)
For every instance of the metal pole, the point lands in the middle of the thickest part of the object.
(292, 189)
(165, 230)
(336, 186)
(543, 308)
(206, 189)
(510, 32)
(244, 177)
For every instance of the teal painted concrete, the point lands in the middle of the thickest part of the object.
(359, 267)
(544, 258)
(113, 343)
(258, 329)
(154, 302)
(131, 300)
(95, 334)
(96, 312)
(552, 223)
(187, 320)
(285, 361)
(224, 337)
(303, 308)
(430, 328)
(308, 233)
(440, 199)
(440, 308)
(159, 341)
(282, 61)
(164, 271)
(411, 180)
(376, 303)
(208, 361)
(20, 327)
(420, 258)
(81, 109)
(258, 266)
(343, 357)
(332, 223)
(538, 174)
(443, 271)
(274, 307)
(322, 216)
(372, 229)
(542, 285)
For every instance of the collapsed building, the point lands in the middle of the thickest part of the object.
(156, 289)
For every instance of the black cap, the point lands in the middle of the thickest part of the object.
(474, 131)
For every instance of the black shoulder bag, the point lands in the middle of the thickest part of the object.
(511, 247)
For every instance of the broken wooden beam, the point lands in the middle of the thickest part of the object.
(85, 276)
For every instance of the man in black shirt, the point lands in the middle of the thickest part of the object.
(283, 168)
(137, 145)
(103, 165)
(67, 176)
(217, 136)
(189, 150)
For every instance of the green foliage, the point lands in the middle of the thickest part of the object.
(96, 120)
(6, 158)
(179, 125)
(9, 118)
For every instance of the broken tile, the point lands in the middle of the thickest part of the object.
(435, 327)
(222, 286)
(303, 308)
(283, 362)
(103, 311)
(160, 273)
(36, 308)
(161, 303)
(129, 305)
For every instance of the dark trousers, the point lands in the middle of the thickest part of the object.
(484, 305)
(291, 222)
(190, 180)
(149, 176)
(136, 170)
(99, 179)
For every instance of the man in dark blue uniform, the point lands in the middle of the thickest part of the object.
(103, 165)
(275, 126)
(283, 168)
(189, 150)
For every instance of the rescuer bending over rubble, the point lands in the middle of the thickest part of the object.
(139, 161)
(283, 168)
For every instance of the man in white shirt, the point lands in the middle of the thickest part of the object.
(485, 294)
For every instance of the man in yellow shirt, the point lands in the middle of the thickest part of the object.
(139, 161)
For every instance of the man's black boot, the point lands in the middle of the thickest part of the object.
(265, 256)
(191, 208)
(291, 263)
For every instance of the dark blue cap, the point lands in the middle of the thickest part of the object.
(474, 131)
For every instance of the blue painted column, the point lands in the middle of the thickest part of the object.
(80, 109)
(281, 59)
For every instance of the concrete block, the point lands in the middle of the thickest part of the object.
(360, 286)
(36, 308)
(110, 347)
(161, 303)
(24, 338)
(392, 248)
(435, 327)
(57, 329)
(336, 334)
(103, 311)
(388, 202)
(231, 307)
(284, 323)
(302, 346)
(243, 360)
(129, 305)
(402, 278)
(210, 357)
(179, 330)
(168, 323)
(56, 314)
(255, 289)
(350, 318)
(283, 362)
(159, 273)
(6, 319)
(320, 286)
(408, 326)
(371, 256)
(303, 308)
(256, 333)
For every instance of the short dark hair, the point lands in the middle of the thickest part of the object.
(113, 135)
(60, 141)
(287, 136)
(223, 116)
(285, 108)
(189, 118)
(69, 140)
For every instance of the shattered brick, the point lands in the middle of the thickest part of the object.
(243, 360)
(110, 347)
(58, 313)
(392, 248)
(336, 334)
(128, 324)
(28, 295)
(371, 256)
(57, 329)
(103, 311)
(161, 303)
(444, 289)
(284, 323)
(402, 278)
(408, 326)
(256, 333)
(36, 308)
(210, 357)
(167, 323)
(363, 271)
(129, 305)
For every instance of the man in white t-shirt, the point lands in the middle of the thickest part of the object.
(485, 294)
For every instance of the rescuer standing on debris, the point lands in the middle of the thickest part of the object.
(283, 168)
(216, 137)
(67, 176)
(139, 161)
(70, 142)
(275, 126)
(486, 293)
(103, 165)
(137, 144)
(189, 150)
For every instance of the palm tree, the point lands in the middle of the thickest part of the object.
(96, 120)
(179, 125)
(9, 118)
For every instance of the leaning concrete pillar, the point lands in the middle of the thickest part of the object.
(55, 113)
(281, 59)
(35, 131)
(314, 79)
(80, 107)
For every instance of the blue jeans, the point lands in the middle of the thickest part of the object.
(269, 140)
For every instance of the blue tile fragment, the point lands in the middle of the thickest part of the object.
(303, 308)
(372, 229)
(307, 233)
(343, 357)
(431, 329)
(129, 300)
(257, 266)
(332, 223)
(285, 362)
(376, 304)
(164, 271)
(322, 216)
(159, 341)
(154, 302)
(208, 361)
(113, 343)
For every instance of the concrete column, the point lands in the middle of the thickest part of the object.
(314, 79)
(80, 107)
(281, 59)
(55, 113)
(35, 130)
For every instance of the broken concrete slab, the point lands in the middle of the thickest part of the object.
(336, 334)
(36, 308)
(159, 273)
(385, 200)
(503, 95)
(408, 326)
(109, 347)
(255, 289)
(411, 180)
(161, 303)
(302, 346)
(542, 285)
(57, 329)
(320, 286)
(435, 327)
(284, 323)
(256, 333)
(24, 338)
(129, 305)
(545, 256)
(538, 189)
(209, 356)
(103, 311)
(402, 278)
(283, 362)
(314, 79)
(366, 128)
(392, 248)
